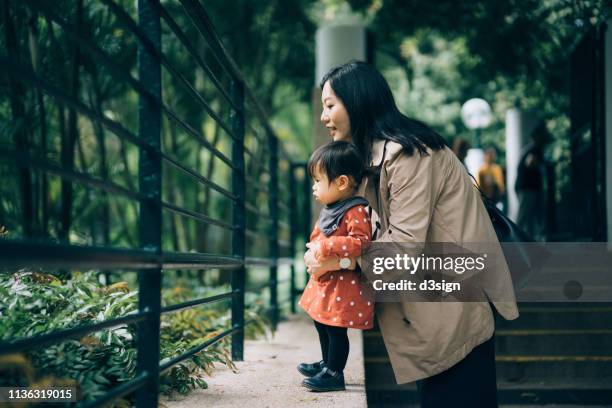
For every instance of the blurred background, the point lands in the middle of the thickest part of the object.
(520, 89)
(537, 64)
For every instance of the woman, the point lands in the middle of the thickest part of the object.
(421, 193)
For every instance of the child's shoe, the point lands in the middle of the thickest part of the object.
(310, 370)
(326, 380)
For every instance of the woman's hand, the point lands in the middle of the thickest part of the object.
(319, 268)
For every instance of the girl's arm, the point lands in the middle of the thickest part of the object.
(351, 245)
(316, 268)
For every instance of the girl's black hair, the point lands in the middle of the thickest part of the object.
(373, 113)
(335, 159)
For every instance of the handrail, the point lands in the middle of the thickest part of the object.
(80, 331)
(202, 22)
(180, 34)
(189, 353)
(135, 383)
(200, 179)
(197, 302)
(150, 260)
(22, 71)
(82, 178)
(196, 216)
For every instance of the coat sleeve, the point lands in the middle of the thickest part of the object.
(358, 238)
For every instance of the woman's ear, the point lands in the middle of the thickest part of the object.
(343, 182)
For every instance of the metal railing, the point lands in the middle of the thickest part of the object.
(150, 259)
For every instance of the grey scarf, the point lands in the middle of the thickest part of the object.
(332, 214)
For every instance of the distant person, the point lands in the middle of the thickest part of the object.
(460, 148)
(491, 177)
(530, 184)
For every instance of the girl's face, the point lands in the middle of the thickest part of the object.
(326, 192)
(335, 116)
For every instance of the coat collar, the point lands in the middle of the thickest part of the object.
(378, 148)
(367, 187)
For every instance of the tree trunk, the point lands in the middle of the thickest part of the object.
(182, 232)
(68, 143)
(37, 176)
(99, 131)
(82, 208)
(42, 117)
(20, 130)
(130, 183)
(56, 49)
(202, 229)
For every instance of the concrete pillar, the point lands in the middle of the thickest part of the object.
(519, 125)
(336, 45)
(473, 161)
(608, 126)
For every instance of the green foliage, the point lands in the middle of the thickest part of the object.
(33, 303)
(511, 53)
(279, 74)
(516, 53)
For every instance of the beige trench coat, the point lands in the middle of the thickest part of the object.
(430, 199)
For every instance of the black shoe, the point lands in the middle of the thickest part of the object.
(326, 380)
(310, 370)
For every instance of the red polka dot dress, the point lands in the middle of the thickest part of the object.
(342, 298)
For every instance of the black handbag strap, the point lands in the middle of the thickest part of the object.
(482, 194)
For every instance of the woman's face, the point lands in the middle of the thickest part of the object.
(334, 116)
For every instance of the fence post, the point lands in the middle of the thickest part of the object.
(551, 202)
(292, 232)
(150, 223)
(307, 191)
(273, 232)
(237, 122)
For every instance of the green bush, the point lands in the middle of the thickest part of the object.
(33, 303)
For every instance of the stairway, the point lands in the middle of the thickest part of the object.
(556, 354)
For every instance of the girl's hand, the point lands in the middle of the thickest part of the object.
(313, 266)
(315, 248)
(310, 261)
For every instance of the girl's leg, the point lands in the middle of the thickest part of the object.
(338, 348)
(323, 339)
(330, 378)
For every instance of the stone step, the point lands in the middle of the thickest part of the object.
(555, 354)
(532, 342)
(517, 368)
(554, 342)
(524, 397)
(561, 316)
(382, 391)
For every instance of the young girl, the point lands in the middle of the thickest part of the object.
(337, 300)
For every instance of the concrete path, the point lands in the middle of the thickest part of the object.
(268, 378)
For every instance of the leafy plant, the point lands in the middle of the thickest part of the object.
(33, 303)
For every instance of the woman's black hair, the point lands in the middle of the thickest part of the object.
(335, 159)
(373, 113)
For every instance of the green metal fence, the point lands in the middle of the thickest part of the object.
(254, 145)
